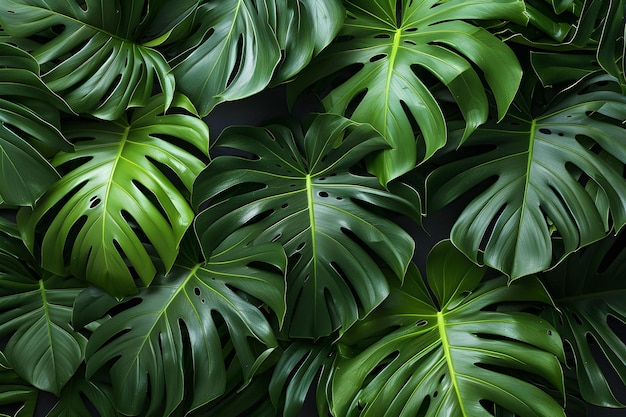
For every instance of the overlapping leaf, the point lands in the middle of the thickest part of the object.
(588, 289)
(15, 392)
(80, 396)
(120, 194)
(29, 128)
(537, 170)
(35, 312)
(298, 190)
(453, 354)
(92, 52)
(232, 49)
(394, 58)
(171, 328)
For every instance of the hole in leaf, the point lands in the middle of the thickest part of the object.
(237, 65)
(354, 103)
(614, 255)
(410, 42)
(258, 217)
(284, 206)
(300, 246)
(323, 194)
(94, 201)
(378, 57)
(278, 236)
(382, 36)
(576, 318)
(196, 291)
(409, 30)
(545, 131)
(68, 244)
(153, 200)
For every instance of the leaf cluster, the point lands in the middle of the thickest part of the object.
(149, 269)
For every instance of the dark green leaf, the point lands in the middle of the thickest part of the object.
(180, 312)
(389, 86)
(303, 28)
(453, 354)
(80, 397)
(589, 291)
(120, 189)
(297, 189)
(29, 128)
(96, 61)
(15, 392)
(230, 53)
(35, 313)
(533, 168)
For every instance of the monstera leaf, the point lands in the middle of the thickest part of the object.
(421, 355)
(29, 128)
(298, 190)
(80, 396)
(15, 392)
(536, 170)
(232, 48)
(303, 28)
(299, 365)
(35, 312)
(394, 55)
(120, 188)
(174, 323)
(588, 289)
(92, 51)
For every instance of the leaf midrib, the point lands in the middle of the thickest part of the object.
(441, 325)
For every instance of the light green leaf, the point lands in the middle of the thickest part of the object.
(589, 290)
(451, 355)
(92, 49)
(298, 189)
(230, 53)
(29, 129)
(390, 62)
(123, 191)
(174, 325)
(534, 167)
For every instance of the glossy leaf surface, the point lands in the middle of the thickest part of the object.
(35, 312)
(15, 392)
(453, 353)
(174, 323)
(297, 189)
(123, 183)
(29, 128)
(393, 60)
(589, 289)
(230, 53)
(536, 169)
(96, 61)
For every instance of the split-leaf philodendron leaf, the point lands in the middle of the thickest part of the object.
(122, 179)
(454, 353)
(96, 61)
(588, 289)
(297, 189)
(391, 52)
(29, 128)
(42, 347)
(537, 168)
(231, 49)
(172, 326)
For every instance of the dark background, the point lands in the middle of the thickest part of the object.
(271, 104)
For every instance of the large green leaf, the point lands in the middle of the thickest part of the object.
(230, 53)
(29, 128)
(231, 49)
(15, 392)
(394, 57)
(589, 291)
(121, 193)
(297, 189)
(35, 312)
(303, 28)
(92, 52)
(300, 364)
(174, 323)
(536, 168)
(80, 396)
(453, 354)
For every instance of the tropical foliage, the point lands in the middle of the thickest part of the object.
(149, 267)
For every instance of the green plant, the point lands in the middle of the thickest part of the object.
(148, 271)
